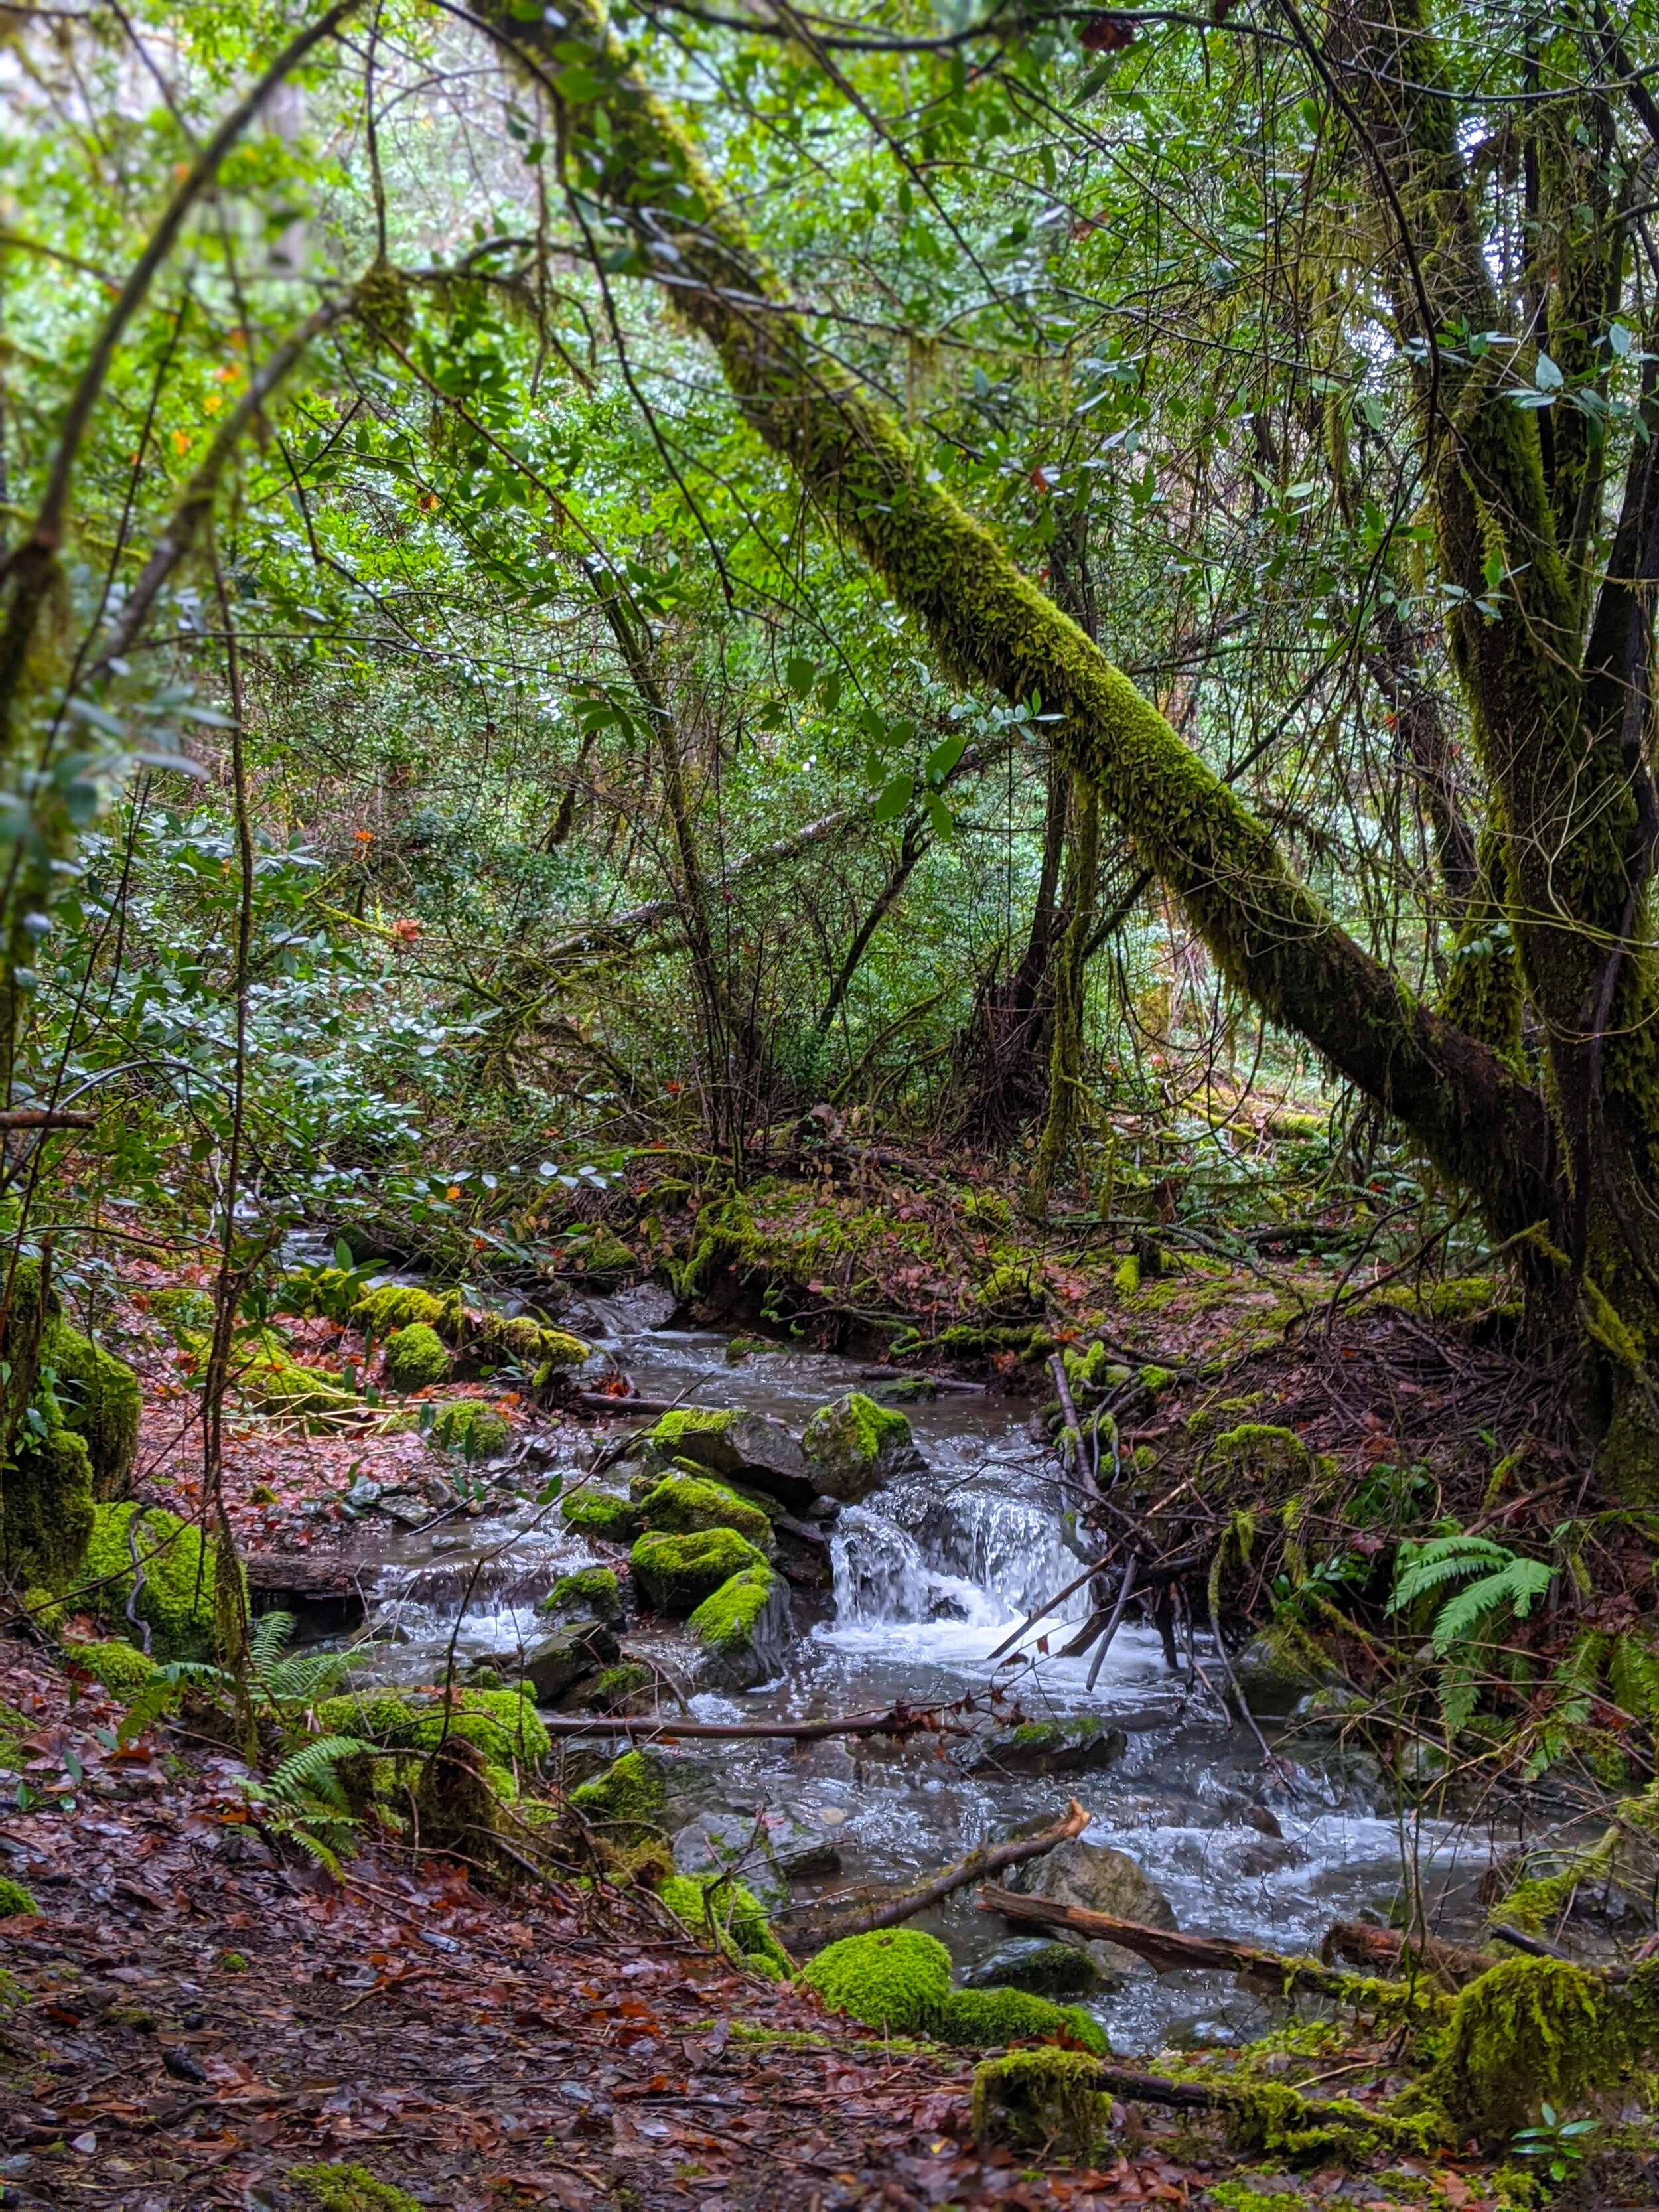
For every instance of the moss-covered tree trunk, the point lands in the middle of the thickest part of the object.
(1566, 1165)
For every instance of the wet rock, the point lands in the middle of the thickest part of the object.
(803, 1553)
(1080, 1743)
(1100, 1880)
(579, 1649)
(1259, 1818)
(1266, 1857)
(591, 1594)
(752, 1448)
(721, 1842)
(1042, 1970)
(854, 1446)
(742, 1631)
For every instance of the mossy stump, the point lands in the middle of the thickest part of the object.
(1048, 2102)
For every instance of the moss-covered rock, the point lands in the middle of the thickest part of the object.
(599, 1513)
(100, 1397)
(178, 1571)
(502, 1725)
(680, 1504)
(675, 1574)
(46, 1510)
(470, 1427)
(892, 1980)
(725, 1913)
(628, 1688)
(592, 1592)
(1261, 1444)
(599, 1257)
(1043, 1969)
(1527, 2032)
(854, 1446)
(627, 1801)
(751, 1448)
(120, 1667)
(980, 2019)
(184, 1309)
(743, 1629)
(416, 1356)
(14, 1899)
(1077, 1743)
(575, 1649)
(1044, 2103)
(398, 1305)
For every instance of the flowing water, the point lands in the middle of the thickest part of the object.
(929, 1578)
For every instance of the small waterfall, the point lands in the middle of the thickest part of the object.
(882, 1577)
(973, 1553)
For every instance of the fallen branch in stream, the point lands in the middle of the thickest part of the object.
(1166, 1949)
(990, 1859)
(897, 1721)
(1392, 1953)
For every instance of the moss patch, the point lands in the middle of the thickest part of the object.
(980, 2018)
(591, 1591)
(1048, 2102)
(727, 1620)
(416, 1356)
(502, 1725)
(470, 1427)
(894, 1978)
(177, 1597)
(676, 1573)
(14, 1899)
(732, 1915)
(680, 1504)
(46, 1511)
(350, 2189)
(1528, 2030)
(597, 1513)
(120, 1667)
(627, 1801)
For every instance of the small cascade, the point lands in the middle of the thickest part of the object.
(883, 1578)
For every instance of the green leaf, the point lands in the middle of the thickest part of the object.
(895, 798)
(800, 675)
(944, 756)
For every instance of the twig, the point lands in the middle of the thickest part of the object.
(991, 1859)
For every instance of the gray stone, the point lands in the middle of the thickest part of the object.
(757, 1657)
(1079, 1743)
(756, 1449)
(853, 1447)
(1100, 1880)
(579, 1649)
(1043, 1969)
(720, 1841)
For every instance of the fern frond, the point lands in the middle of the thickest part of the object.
(165, 1686)
(268, 1642)
(309, 1773)
(1516, 1584)
(1424, 1568)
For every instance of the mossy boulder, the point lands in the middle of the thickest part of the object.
(1077, 1743)
(730, 1916)
(1100, 1880)
(398, 1306)
(46, 1510)
(981, 2019)
(502, 1725)
(416, 1357)
(120, 1667)
(625, 1803)
(751, 1448)
(598, 1257)
(743, 1629)
(600, 1513)
(682, 1504)
(100, 1397)
(628, 1688)
(178, 1569)
(554, 1663)
(1532, 2031)
(1042, 2104)
(675, 1574)
(590, 1593)
(471, 1428)
(1042, 1969)
(892, 1980)
(854, 1446)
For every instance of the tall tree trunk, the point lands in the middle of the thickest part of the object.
(1071, 967)
(1580, 909)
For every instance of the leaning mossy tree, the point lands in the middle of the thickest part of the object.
(1557, 1140)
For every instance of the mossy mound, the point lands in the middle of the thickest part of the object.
(681, 1504)
(470, 1427)
(1260, 1444)
(120, 1667)
(179, 1570)
(46, 1510)
(1531, 2031)
(853, 1446)
(599, 1257)
(676, 1573)
(730, 1915)
(1046, 2102)
(348, 2189)
(597, 1513)
(894, 1980)
(416, 1356)
(979, 2019)
(14, 1899)
(744, 1628)
(627, 1801)
(184, 1309)
(100, 1397)
(502, 1725)
(591, 1591)
(398, 1305)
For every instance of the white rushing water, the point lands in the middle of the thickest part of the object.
(929, 1578)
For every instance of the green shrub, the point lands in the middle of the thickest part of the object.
(416, 1356)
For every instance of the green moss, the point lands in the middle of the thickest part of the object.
(1529, 2030)
(14, 1899)
(894, 1978)
(597, 1513)
(1271, 2116)
(852, 1430)
(398, 1306)
(1260, 1444)
(350, 2189)
(120, 1667)
(182, 1307)
(558, 1349)
(177, 1598)
(728, 1619)
(1157, 1379)
(1013, 1287)
(672, 1428)
(416, 1356)
(676, 1573)
(979, 2018)
(591, 1591)
(1126, 1276)
(680, 1504)
(628, 1801)
(622, 1689)
(985, 1209)
(1048, 2102)
(733, 1914)
(502, 1725)
(46, 1510)
(100, 1399)
(599, 1256)
(470, 1427)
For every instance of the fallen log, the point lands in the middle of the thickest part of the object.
(990, 1859)
(899, 1721)
(1165, 1949)
(1394, 1954)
